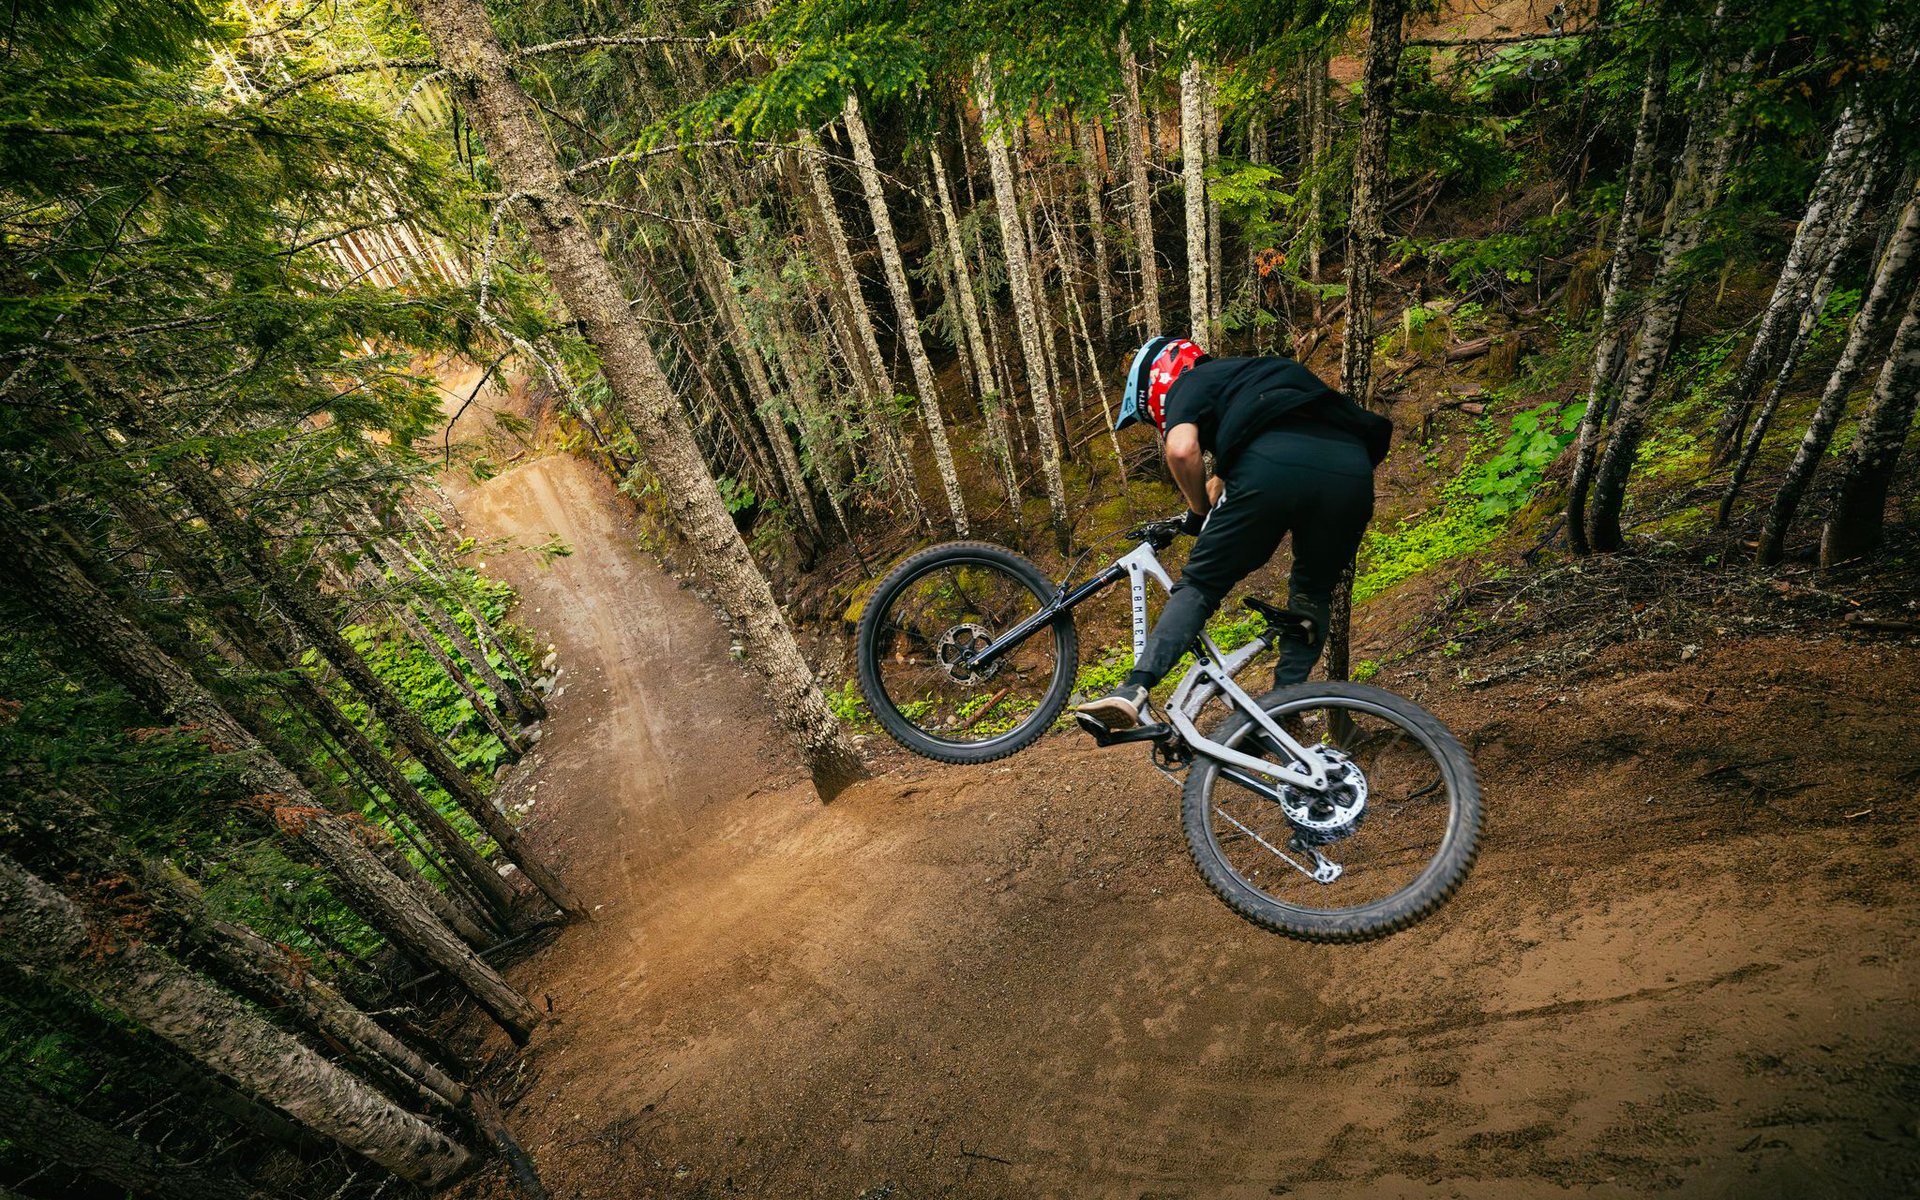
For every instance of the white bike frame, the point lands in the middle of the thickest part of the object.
(1212, 673)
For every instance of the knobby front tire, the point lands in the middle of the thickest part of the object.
(940, 600)
(1408, 853)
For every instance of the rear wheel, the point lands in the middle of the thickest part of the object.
(1386, 845)
(924, 619)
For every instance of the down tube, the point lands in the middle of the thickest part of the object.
(1045, 617)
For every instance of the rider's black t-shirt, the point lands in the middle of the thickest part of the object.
(1234, 400)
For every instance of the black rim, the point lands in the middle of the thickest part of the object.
(933, 618)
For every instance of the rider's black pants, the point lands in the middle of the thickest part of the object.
(1316, 485)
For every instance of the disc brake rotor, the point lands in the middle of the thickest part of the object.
(1319, 820)
(960, 641)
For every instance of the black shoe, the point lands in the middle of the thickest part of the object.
(1119, 709)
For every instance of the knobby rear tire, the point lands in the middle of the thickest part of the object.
(1442, 876)
(904, 731)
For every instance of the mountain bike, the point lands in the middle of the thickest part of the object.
(1332, 812)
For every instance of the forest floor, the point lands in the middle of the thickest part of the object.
(1684, 962)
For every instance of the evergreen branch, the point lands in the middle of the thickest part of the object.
(615, 39)
(335, 72)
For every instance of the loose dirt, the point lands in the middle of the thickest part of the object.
(1683, 963)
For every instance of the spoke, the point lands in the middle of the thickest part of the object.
(1264, 842)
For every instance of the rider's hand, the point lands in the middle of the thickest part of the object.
(1192, 523)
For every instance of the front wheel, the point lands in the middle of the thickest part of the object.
(924, 621)
(1386, 845)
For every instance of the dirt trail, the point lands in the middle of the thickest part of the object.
(1666, 974)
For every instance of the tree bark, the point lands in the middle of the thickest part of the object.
(1314, 118)
(992, 401)
(1366, 237)
(257, 966)
(1814, 305)
(301, 608)
(1703, 168)
(43, 929)
(526, 697)
(1020, 281)
(1216, 281)
(1366, 233)
(1141, 200)
(1193, 165)
(907, 330)
(88, 618)
(1853, 133)
(1097, 227)
(42, 1128)
(272, 652)
(1603, 374)
(519, 150)
(871, 369)
(1856, 525)
(1897, 272)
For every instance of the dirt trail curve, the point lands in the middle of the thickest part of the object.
(1007, 981)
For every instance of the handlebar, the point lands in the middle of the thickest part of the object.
(1159, 534)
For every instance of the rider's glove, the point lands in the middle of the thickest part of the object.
(1193, 523)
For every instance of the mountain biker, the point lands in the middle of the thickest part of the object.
(1290, 456)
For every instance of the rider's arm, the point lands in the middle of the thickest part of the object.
(1188, 466)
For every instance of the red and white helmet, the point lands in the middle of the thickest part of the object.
(1154, 368)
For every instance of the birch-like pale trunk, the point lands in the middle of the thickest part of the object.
(1079, 314)
(1848, 151)
(518, 149)
(872, 369)
(1216, 281)
(1899, 266)
(992, 401)
(1313, 113)
(1088, 151)
(1140, 201)
(907, 327)
(1193, 165)
(1013, 239)
(1602, 376)
(1857, 523)
(766, 402)
(1836, 251)
(40, 928)
(89, 619)
(1703, 169)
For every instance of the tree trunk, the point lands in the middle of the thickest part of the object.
(1216, 282)
(1141, 200)
(1847, 152)
(992, 402)
(1314, 118)
(302, 609)
(1855, 526)
(1366, 238)
(1703, 168)
(1603, 375)
(1814, 305)
(1897, 271)
(406, 613)
(525, 696)
(1366, 233)
(877, 380)
(907, 331)
(1097, 226)
(1193, 165)
(1078, 312)
(520, 152)
(272, 652)
(42, 929)
(1021, 283)
(257, 966)
(41, 1129)
(89, 619)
